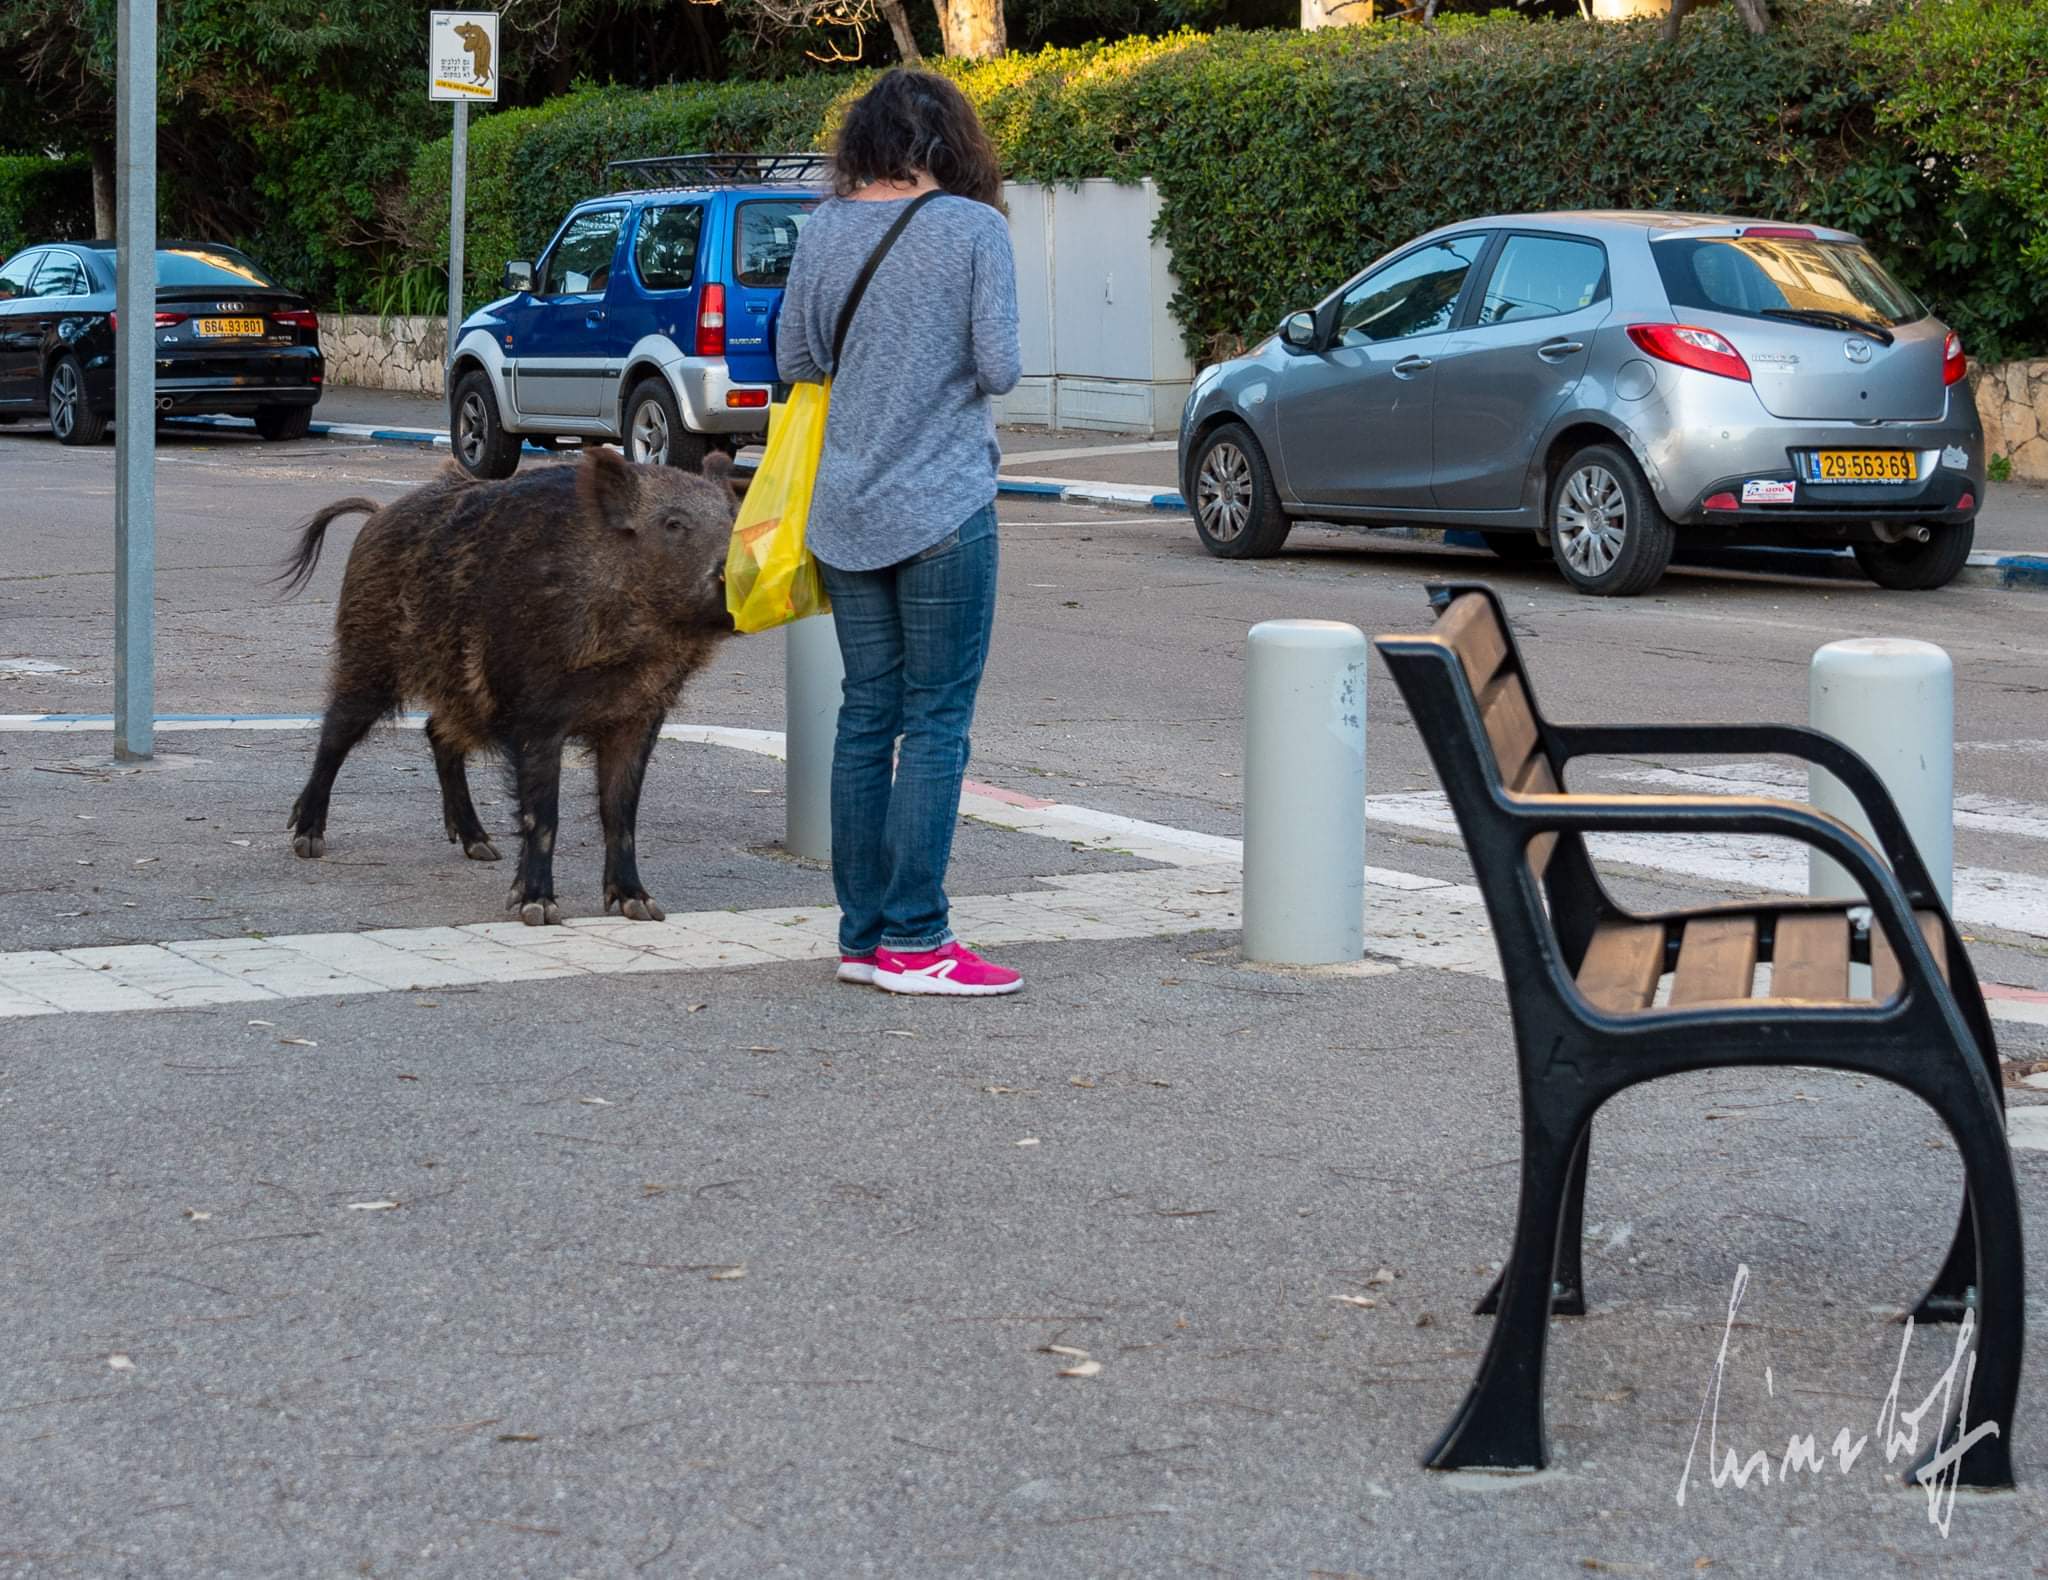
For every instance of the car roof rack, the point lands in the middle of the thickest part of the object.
(720, 170)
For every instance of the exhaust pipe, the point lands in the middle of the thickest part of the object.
(163, 403)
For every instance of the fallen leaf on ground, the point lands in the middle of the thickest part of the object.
(1363, 1302)
(242, 842)
(1380, 1276)
(1008, 1091)
(519, 1437)
(899, 1034)
(1084, 1369)
(728, 1275)
(1067, 1350)
(1028, 1141)
(1075, 1080)
(143, 861)
(371, 1206)
(196, 1216)
(595, 1102)
(263, 1023)
(695, 1007)
(120, 1363)
(297, 1042)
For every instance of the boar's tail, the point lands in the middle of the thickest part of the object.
(298, 570)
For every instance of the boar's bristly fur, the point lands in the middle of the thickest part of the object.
(571, 602)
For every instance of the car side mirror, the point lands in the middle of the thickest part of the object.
(519, 276)
(1299, 331)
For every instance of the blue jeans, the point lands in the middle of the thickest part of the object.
(914, 636)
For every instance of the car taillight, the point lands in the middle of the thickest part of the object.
(1953, 363)
(113, 320)
(745, 399)
(1690, 347)
(711, 321)
(1719, 502)
(170, 320)
(297, 317)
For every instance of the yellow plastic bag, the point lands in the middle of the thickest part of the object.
(770, 576)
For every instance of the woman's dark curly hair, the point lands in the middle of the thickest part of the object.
(911, 121)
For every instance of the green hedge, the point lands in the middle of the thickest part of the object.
(1287, 160)
(43, 200)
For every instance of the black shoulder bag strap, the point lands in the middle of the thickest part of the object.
(867, 273)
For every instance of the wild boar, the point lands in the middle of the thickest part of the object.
(571, 601)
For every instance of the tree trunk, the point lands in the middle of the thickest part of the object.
(1676, 16)
(103, 191)
(1335, 13)
(1756, 16)
(899, 29)
(973, 28)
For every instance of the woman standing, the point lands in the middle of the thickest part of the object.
(903, 518)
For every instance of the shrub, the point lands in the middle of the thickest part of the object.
(1286, 161)
(43, 200)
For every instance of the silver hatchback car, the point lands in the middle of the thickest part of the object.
(1593, 385)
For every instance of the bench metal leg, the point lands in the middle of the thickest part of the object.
(1954, 1289)
(1568, 1288)
(1500, 1424)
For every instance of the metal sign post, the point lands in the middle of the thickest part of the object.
(135, 383)
(462, 65)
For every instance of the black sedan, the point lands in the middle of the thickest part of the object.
(228, 339)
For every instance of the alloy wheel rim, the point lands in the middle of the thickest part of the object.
(473, 427)
(63, 400)
(650, 433)
(1223, 492)
(1592, 517)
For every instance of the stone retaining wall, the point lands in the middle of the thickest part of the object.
(2013, 401)
(384, 353)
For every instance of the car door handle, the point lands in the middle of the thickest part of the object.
(596, 316)
(1558, 350)
(1409, 366)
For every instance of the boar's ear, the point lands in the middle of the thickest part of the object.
(606, 488)
(718, 469)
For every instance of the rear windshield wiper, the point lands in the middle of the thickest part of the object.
(1827, 319)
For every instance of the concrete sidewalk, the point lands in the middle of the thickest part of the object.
(357, 1230)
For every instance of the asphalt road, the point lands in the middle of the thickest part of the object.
(740, 1272)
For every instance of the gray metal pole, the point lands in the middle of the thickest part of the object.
(458, 203)
(135, 383)
(811, 689)
(1304, 793)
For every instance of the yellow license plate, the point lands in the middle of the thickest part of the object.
(1863, 466)
(238, 328)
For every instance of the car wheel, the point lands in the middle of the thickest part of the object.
(1919, 567)
(1517, 548)
(1607, 533)
(482, 446)
(1236, 508)
(72, 418)
(655, 434)
(284, 422)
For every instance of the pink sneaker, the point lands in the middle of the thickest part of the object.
(946, 970)
(858, 968)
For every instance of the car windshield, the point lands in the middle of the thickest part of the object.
(208, 266)
(766, 239)
(1782, 276)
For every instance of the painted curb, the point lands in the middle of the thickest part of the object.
(2025, 571)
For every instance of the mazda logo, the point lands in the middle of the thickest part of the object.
(1857, 351)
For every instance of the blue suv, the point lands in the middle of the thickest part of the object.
(649, 321)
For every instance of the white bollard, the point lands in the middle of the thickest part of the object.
(812, 680)
(1304, 793)
(1892, 701)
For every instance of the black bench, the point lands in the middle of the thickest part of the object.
(1583, 977)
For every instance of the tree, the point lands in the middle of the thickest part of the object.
(973, 29)
(1755, 14)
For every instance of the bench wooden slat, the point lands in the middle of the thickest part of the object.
(1510, 726)
(1622, 966)
(1885, 975)
(1716, 960)
(1472, 630)
(1811, 957)
(1537, 779)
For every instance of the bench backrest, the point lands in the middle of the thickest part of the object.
(1470, 620)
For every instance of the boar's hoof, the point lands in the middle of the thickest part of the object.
(540, 913)
(643, 910)
(309, 845)
(480, 850)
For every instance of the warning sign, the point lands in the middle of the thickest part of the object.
(462, 56)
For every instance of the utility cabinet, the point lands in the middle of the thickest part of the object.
(1101, 349)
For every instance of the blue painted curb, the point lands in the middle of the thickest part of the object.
(2022, 570)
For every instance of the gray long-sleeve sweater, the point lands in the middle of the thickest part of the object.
(910, 444)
